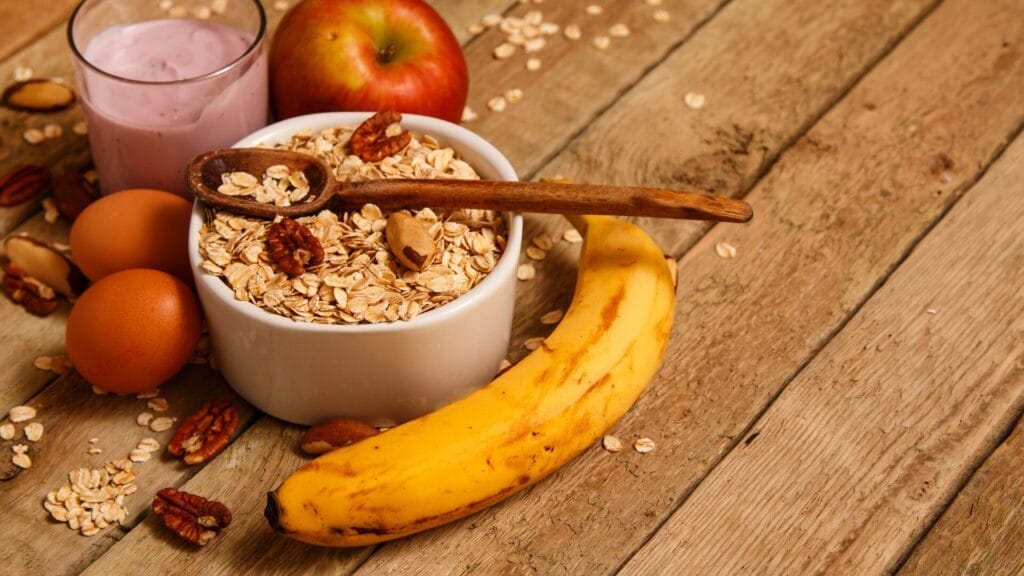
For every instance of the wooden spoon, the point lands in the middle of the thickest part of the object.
(205, 170)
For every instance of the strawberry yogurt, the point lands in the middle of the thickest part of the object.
(158, 92)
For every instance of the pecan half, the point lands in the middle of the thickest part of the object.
(31, 294)
(23, 183)
(72, 193)
(371, 142)
(191, 516)
(205, 433)
(293, 246)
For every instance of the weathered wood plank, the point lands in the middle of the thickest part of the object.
(982, 531)
(577, 81)
(868, 444)
(834, 216)
(24, 23)
(71, 415)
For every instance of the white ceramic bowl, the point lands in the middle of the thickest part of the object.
(381, 374)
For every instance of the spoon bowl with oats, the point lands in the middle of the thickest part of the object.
(222, 178)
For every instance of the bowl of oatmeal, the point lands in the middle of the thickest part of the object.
(318, 317)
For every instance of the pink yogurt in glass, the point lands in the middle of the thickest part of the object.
(158, 92)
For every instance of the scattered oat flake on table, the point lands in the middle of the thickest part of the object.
(526, 271)
(7, 431)
(602, 42)
(694, 100)
(22, 460)
(99, 391)
(161, 424)
(50, 212)
(144, 418)
(513, 95)
(536, 253)
(725, 250)
(177, 12)
(533, 343)
(33, 136)
(202, 12)
(52, 131)
(280, 5)
(643, 445)
(33, 431)
(94, 450)
(468, 114)
(932, 311)
(80, 128)
(148, 444)
(491, 20)
(572, 32)
(653, 2)
(611, 443)
(497, 104)
(93, 440)
(594, 10)
(218, 6)
(140, 456)
(572, 236)
(661, 16)
(504, 365)
(165, 5)
(618, 30)
(475, 28)
(22, 73)
(504, 50)
(21, 414)
(148, 394)
(543, 241)
(533, 64)
(552, 317)
(158, 404)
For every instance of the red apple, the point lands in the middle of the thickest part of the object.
(367, 55)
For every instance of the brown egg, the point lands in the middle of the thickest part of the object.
(138, 228)
(133, 330)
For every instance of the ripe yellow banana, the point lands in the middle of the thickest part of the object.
(502, 438)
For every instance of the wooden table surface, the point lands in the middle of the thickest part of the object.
(842, 397)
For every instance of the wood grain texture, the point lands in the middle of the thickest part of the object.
(576, 81)
(833, 218)
(982, 531)
(849, 465)
(25, 22)
(72, 414)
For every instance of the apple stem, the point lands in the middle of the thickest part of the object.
(387, 53)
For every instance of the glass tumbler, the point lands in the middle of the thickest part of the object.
(161, 86)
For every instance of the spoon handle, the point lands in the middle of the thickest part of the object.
(545, 197)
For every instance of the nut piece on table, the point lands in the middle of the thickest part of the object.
(31, 294)
(38, 95)
(23, 183)
(204, 434)
(335, 433)
(72, 193)
(44, 263)
(191, 516)
(410, 241)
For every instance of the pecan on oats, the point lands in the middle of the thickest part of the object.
(204, 434)
(23, 183)
(31, 294)
(191, 516)
(372, 142)
(293, 246)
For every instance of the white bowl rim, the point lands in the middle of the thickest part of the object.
(443, 131)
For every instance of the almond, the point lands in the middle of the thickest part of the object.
(23, 183)
(44, 263)
(38, 95)
(335, 433)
